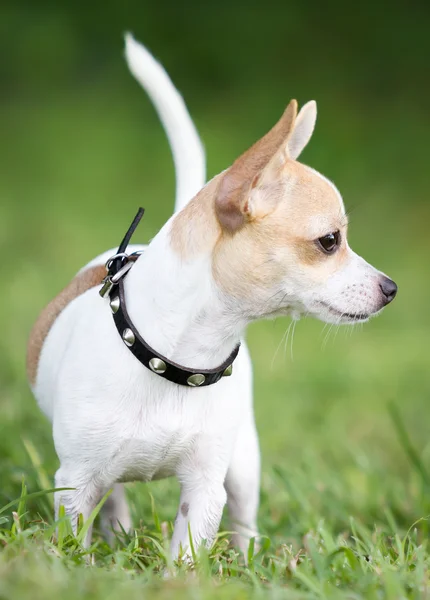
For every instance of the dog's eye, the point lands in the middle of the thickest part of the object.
(329, 243)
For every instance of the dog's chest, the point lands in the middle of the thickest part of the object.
(155, 437)
(154, 455)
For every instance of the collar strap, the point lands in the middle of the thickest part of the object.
(113, 286)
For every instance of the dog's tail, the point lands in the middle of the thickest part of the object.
(187, 149)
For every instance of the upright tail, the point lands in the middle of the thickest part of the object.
(187, 149)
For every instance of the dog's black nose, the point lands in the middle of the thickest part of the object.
(389, 289)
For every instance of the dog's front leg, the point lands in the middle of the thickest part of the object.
(243, 485)
(82, 497)
(202, 501)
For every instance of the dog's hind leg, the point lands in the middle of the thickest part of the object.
(242, 485)
(115, 513)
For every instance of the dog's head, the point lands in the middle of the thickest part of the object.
(283, 245)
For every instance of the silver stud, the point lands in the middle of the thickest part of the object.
(196, 380)
(114, 304)
(228, 371)
(157, 365)
(128, 337)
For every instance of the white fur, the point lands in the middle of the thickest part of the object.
(116, 421)
(187, 149)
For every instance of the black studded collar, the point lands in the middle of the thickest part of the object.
(113, 288)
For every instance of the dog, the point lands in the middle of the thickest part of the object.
(264, 238)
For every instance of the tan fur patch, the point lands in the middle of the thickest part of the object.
(244, 173)
(80, 284)
(196, 228)
(302, 207)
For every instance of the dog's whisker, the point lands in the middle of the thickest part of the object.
(337, 325)
(287, 338)
(292, 339)
(328, 335)
(323, 329)
(326, 329)
(278, 347)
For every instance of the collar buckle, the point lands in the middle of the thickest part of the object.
(107, 286)
(113, 278)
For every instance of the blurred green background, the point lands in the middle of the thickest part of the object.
(81, 148)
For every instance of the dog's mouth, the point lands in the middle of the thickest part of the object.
(350, 317)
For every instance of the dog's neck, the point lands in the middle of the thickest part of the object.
(175, 304)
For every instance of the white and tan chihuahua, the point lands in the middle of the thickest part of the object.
(266, 237)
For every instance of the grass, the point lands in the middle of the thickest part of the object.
(361, 561)
(342, 415)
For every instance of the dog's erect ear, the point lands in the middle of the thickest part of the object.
(232, 203)
(303, 129)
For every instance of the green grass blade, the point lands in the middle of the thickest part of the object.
(251, 548)
(155, 514)
(32, 496)
(88, 522)
(407, 444)
(42, 477)
(192, 548)
(22, 501)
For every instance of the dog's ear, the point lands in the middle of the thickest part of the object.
(232, 202)
(303, 129)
